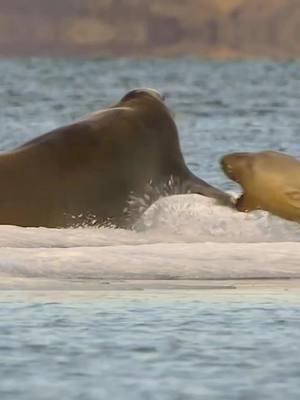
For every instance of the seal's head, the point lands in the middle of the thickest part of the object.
(146, 102)
(140, 93)
(270, 181)
(237, 165)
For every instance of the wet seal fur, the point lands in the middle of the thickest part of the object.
(86, 172)
(270, 181)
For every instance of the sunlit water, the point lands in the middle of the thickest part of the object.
(125, 343)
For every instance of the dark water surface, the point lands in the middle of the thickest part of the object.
(151, 345)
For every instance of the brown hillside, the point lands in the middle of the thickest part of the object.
(209, 28)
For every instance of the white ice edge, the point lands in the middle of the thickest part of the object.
(183, 237)
(156, 261)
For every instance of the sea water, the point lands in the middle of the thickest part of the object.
(201, 301)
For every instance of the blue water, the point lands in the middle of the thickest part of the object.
(150, 346)
(130, 332)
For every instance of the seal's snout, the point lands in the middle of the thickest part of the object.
(233, 164)
(223, 162)
(227, 166)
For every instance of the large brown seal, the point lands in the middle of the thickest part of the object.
(270, 181)
(87, 171)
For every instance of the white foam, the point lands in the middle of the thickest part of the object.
(179, 237)
(194, 218)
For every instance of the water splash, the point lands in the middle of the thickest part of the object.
(195, 218)
(137, 205)
(187, 218)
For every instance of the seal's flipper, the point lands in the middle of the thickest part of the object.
(198, 186)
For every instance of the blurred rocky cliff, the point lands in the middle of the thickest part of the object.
(99, 28)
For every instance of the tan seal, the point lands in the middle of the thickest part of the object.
(88, 171)
(270, 181)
